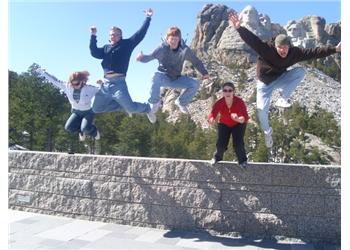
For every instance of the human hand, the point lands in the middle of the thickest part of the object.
(211, 121)
(149, 12)
(93, 30)
(338, 48)
(234, 19)
(139, 56)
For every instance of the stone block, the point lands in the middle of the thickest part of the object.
(233, 221)
(65, 204)
(196, 171)
(317, 227)
(243, 201)
(111, 191)
(297, 204)
(332, 206)
(208, 219)
(197, 197)
(254, 174)
(262, 224)
(306, 175)
(111, 166)
(150, 194)
(33, 160)
(173, 217)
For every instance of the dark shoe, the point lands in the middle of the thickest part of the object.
(243, 165)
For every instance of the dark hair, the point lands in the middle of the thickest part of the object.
(228, 84)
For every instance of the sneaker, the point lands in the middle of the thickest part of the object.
(283, 102)
(152, 117)
(182, 108)
(268, 138)
(97, 137)
(213, 161)
(244, 165)
(81, 137)
(155, 107)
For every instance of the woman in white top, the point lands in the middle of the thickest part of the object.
(80, 96)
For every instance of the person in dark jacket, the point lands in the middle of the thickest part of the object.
(274, 59)
(114, 94)
(233, 120)
(171, 55)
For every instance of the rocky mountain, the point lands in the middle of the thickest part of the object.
(227, 57)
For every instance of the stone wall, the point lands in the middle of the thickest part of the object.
(299, 201)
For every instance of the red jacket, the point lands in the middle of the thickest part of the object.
(238, 107)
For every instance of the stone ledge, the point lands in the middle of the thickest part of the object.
(293, 200)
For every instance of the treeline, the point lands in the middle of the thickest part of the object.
(38, 111)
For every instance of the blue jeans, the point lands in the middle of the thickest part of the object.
(114, 95)
(81, 121)
(287, 83)
(160, 79)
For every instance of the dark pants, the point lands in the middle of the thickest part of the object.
(237, 133)
(81, 121)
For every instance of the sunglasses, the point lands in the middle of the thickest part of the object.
(227, 90)
(75, 83)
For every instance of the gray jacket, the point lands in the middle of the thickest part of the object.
(171, 61)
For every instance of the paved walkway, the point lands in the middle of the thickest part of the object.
(38, 231)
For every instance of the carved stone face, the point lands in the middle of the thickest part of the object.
(317, 25)
(295, 30)
(249, 15)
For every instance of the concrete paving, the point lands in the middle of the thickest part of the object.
(38, 231)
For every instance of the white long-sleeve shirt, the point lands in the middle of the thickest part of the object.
(87, 92)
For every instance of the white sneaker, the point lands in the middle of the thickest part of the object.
(268, 138)
(182, 108)
(81, 137)
(97, 137)
(152, 117)
(155, 107)
(283, 102)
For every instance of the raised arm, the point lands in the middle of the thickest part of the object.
(51, 79)
(247, 36)
(94, 50)
(140, 34)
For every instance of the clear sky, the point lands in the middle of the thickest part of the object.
(56, 34)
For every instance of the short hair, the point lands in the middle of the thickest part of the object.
(116, 29)
(228, 84)
(81, 76)
(282, 39)
(173, 31)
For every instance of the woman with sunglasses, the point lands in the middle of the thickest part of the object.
(233, 120)
(80, 96)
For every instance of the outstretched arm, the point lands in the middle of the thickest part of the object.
(140, 34)
(146, 58)
(94, 50)
(51, 79)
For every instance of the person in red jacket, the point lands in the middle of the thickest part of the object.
(233, 121)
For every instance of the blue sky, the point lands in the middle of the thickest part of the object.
(55, 34)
